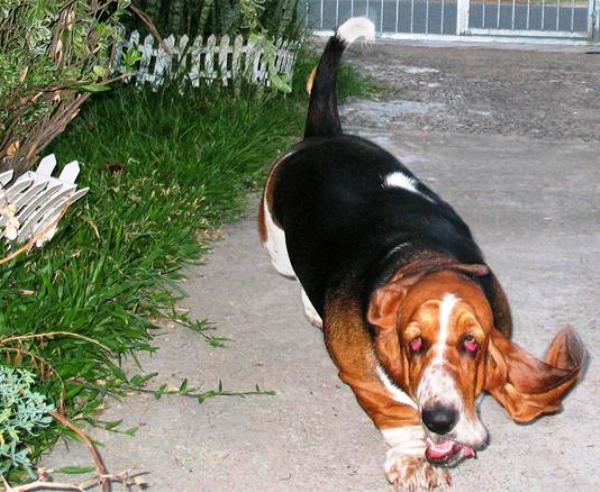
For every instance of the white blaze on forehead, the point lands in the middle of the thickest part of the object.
(446, 308)
(436, 383)
(438, 386)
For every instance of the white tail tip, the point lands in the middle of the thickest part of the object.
(356, 27)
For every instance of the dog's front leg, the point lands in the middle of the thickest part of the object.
(405, 463)
(390, 409)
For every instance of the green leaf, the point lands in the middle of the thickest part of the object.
(76, 470)
(94, 87)
(131, 431)
(112, 425)
(131, 57)
(183, 386)
(100, 71)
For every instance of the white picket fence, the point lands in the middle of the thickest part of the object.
(229, 60)
(32, 205)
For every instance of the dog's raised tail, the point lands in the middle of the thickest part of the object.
(323, 118)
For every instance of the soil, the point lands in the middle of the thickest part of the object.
(538, 94)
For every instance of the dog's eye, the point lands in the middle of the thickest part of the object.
(416, 345)
(469, 344)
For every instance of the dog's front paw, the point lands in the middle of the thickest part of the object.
(413, 472)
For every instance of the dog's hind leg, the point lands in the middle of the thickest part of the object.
(273, 239)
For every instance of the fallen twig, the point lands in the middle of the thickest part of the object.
(51, 334)
(125, 478)
(100, 466)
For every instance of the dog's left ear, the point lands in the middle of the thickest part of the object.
(527, 387)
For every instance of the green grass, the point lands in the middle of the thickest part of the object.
(160, 167)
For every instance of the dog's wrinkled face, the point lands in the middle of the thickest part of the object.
(444, 343)
(435, 338)
(441, 325)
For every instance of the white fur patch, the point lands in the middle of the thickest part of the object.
(448, 303)
(405, 465)
(275, 245)
(470, 431)
(397, 394)
(356, 27)
(410, 439)
(310, 311)
(401, 180)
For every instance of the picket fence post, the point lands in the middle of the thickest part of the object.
(228, 60)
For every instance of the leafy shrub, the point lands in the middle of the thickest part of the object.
(260, 21)
(53, 53)
(273, 18)
(23, 412)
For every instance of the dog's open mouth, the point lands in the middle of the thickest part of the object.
(447, 452)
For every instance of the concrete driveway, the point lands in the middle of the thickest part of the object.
(534, 206)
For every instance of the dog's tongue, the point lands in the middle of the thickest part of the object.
(446, 449)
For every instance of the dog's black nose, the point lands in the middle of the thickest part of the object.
(439, 419)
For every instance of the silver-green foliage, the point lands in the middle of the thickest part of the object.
(23, 413)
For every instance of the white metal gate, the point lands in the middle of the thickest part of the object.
(563, 20)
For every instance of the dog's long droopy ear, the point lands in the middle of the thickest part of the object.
(383, 315)
(527, 387)
(385, 301)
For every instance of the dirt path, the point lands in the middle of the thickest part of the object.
(538, 94)
(533, 204)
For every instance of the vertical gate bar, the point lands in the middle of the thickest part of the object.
(337, 13)
(397, 13)
(483, 16)
(462, 17)
(367, 9)
(442, 18)
(514, 12)
(498, 16)
(572, 15)
(528, 11)
(557, 13)
(592, 20)
(412, 15)
(306, 14)
(351, 8)
(381, 18)
(321, 15)
(543, 13)
(427, 17)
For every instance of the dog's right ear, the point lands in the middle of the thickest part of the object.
(383, 315)
(384, 306)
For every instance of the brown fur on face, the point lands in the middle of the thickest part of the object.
(417, 314)
(349, 345)
(409, 306)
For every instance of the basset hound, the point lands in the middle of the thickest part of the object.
(414, 319)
